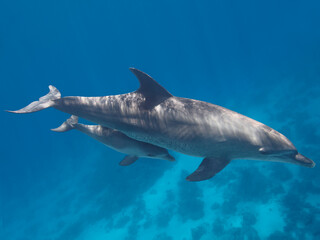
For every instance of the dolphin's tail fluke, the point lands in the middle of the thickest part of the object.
(67, 125)
(44, 102)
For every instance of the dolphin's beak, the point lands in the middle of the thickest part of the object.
(304, 161)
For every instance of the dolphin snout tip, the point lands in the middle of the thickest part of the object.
(312, 165)
(304, 161)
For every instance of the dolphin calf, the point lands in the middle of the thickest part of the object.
(151, 114)
(117, 141)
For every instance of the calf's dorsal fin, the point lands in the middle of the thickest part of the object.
(150, 89)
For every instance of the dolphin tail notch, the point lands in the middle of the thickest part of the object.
(44, 102)
(67, 125)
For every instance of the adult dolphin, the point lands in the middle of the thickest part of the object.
(151, 114)
(117, 141)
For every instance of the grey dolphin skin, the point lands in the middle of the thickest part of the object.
(117, 141)
(151, 114)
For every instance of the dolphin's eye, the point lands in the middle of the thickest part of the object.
(150, 155)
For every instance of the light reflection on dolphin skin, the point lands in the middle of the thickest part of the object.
(151, 114)
(117, 141)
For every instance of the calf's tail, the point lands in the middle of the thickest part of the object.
(67, 125)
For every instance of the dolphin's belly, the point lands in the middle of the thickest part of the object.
(193, 137)
(193, 143)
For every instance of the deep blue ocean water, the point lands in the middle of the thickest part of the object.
(259, 58)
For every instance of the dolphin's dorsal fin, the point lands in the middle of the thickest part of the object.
(209, 167)
(128, 160)
(150, 89)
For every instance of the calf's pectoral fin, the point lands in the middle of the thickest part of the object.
(128, 160)
(209, 167)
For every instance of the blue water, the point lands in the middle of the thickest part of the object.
(259, 58)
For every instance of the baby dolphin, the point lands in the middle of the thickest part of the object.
(152, 114)
(117, 141)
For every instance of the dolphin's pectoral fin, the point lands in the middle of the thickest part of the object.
(150, 89)
(209, 167)
(128, 160)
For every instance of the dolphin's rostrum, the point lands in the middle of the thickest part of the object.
(151, 114)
